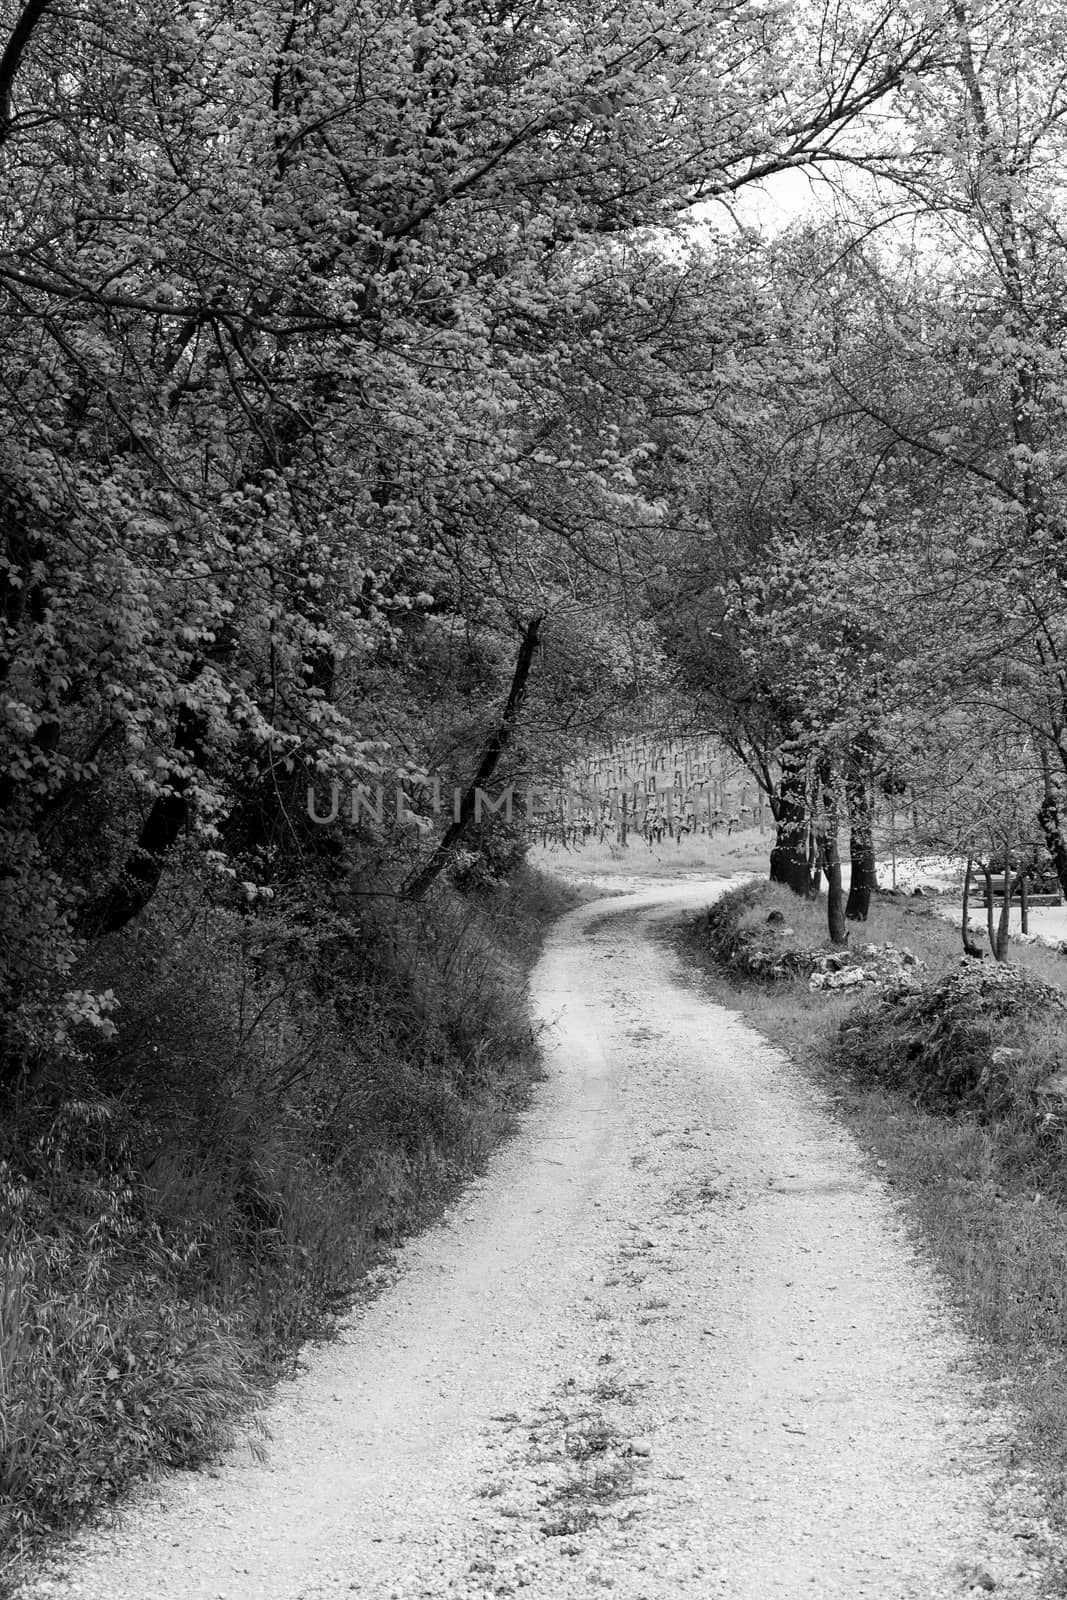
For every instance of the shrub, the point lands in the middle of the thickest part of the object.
(736, 935)
(976, 1039)
(182, 1203)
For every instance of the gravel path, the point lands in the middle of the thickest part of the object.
(675, 1343)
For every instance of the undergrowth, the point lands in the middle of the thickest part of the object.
(943, 1081)
(182, 1204)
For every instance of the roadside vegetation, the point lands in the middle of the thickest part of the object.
(946, 1070)
(184, 1202)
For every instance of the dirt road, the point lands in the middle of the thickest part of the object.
(675, 1343)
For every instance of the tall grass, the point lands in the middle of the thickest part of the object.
(181, 1206)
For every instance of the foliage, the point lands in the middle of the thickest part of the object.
(974, 1040)
(313, 344)
(735, 933)
(872, 528)
(200, 1191)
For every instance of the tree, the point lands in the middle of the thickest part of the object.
(280, 292)
(781, 617)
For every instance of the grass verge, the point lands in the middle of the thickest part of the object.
(183, 1204)
(941, 1080)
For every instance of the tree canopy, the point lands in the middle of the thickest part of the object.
(348, 347)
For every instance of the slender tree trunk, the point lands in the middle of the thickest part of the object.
(419, 881)
(816, 859)
(1024, 904)
(969, 946)
(990, 928)
(864, 879)
(835, 893)
(830, 853)
(1000, 949)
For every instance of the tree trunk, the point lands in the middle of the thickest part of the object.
(139, 878)
(969, 946)
(816, 860)
(1000, 949)
(419, 881)
(998, 931)
(835, 893)
(789, 857)
(1024, 904)
(829, 852)
(864, 880)
(990, 929)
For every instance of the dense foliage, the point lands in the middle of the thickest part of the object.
(317, 390)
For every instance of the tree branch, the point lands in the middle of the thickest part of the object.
(11, 59)
(419, 881)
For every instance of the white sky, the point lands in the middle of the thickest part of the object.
(773, 204)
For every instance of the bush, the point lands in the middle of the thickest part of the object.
(976, 1040)
(492, 854)
(181, 1204)
(735, 934)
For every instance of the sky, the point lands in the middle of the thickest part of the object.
(774, 204)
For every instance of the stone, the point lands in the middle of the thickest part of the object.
(846, 978)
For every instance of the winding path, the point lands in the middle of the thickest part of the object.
(674, 1344)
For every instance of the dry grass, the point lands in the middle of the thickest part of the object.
(720, 854)
(985, 1180)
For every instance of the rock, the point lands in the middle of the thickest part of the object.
(846, 978)
(972, 1577)
(983, 1580)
